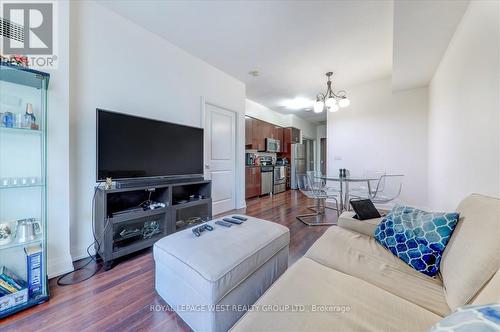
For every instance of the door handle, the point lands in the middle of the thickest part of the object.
(207, 166)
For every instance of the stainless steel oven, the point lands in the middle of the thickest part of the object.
(279, 182)
(272, 145)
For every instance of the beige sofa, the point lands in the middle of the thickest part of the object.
(360, 286)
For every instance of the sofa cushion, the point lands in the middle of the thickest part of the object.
(348, 304)
(362, 257)
(490, 292)
(472, 256)
(240, 250)
(417, 237)
(366, 227)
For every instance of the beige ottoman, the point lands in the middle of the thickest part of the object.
(210, 280)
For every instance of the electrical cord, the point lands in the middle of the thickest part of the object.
(92, 257)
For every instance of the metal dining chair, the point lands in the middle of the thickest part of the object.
(319, 197)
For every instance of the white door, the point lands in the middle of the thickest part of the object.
(220, 156)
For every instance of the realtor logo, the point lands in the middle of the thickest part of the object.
(28, 29)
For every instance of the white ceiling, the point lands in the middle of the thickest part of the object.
(422, 32)
(294, 43)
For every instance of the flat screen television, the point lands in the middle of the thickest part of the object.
(130, 147)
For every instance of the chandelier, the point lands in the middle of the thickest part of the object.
(330, 101)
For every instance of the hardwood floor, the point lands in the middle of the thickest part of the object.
(120, 299)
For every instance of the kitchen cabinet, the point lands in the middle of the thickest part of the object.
(295, 135)
(278, 134)
(252, 181)
(268, 130)
(287, 141)
(258, 139)
(256, 132)
(249, 132)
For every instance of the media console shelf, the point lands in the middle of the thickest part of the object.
(122, 227)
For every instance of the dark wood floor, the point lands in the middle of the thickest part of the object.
(120, 299)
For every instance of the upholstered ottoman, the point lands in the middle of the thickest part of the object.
(211, 280)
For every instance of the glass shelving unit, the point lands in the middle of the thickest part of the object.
(23, 191)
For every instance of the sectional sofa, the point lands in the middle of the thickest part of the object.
(349, 282)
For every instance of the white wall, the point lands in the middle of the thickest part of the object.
(320, 133)
(308, 128)
(59, 259)
(382, 130)
(120, 66)
(263, 113)
(464, 111)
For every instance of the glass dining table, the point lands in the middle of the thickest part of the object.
(344, 186)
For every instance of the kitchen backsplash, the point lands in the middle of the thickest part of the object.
(260, 154)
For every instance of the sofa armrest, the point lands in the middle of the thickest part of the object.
(366, 227)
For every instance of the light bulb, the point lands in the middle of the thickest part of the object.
(334, 108)
(318, 106)
(330, 102)
(344, 102)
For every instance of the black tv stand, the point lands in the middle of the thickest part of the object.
(151, 182)
(123, 230)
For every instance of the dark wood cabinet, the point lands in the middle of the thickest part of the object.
(249, 132)
(268, 130)
(252, 182)
(259, 135)
(256, 132)
(278, 134)
(287, 141)
(295, 135)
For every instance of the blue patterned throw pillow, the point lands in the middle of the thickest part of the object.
(416, 237)
(471, 318)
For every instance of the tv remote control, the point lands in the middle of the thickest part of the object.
(223, 223)
(233, 221)
(240, 218)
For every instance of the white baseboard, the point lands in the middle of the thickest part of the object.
(59, 266)
(77, 254)
(241, 205)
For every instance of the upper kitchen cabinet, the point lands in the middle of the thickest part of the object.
(268, 130)
(290, 136)
(278, 134)
(256, 132)
(287, 140)
(295, 135)
(248, 132)
(258, 139)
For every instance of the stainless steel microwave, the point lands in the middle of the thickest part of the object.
(272, 145)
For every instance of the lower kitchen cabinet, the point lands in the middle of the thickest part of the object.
(252, 181)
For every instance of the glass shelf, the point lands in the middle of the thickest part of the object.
(15, 244)
(20, 130)
(20, 186)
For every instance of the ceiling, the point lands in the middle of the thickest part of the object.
(422, 32)
(292, 44)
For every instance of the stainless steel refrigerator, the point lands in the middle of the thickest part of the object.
(298, 163)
